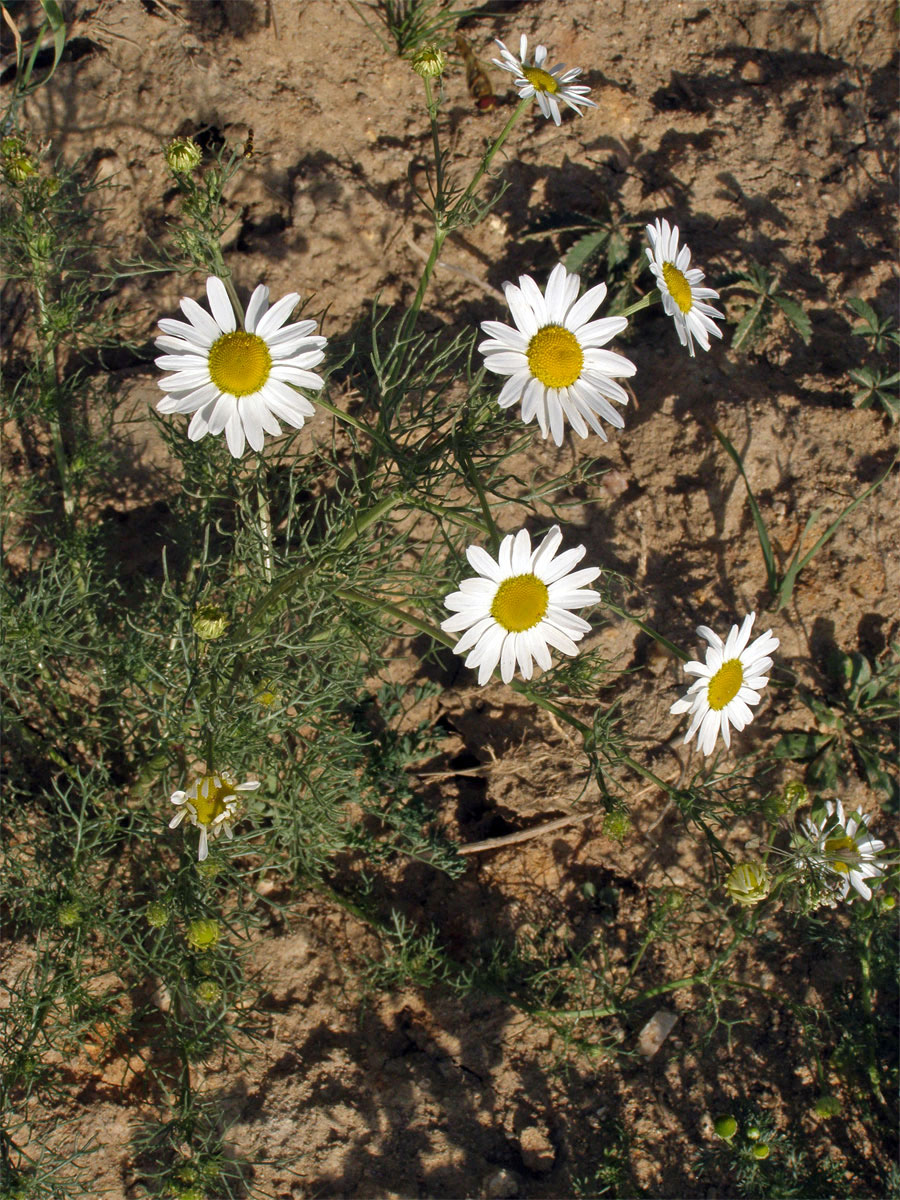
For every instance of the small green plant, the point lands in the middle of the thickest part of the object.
(410, 24)
(781, 582)
(875, 383)
(766, 286)
(857, 723)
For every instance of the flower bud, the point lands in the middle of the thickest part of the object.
(208, 993)
(69, 914)
(157, 914)
(616, 825)
(725, 1127)
(429, 62)
(209, 622)
(183, 155)
(748, 883)
(760, 1151)
(795, 793)
(203, 933)
(827, 1106)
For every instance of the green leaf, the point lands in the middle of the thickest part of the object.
(866, 311)
(796, 316)
(800, 746)
(617, 251)
(584, 249)
(747, 324)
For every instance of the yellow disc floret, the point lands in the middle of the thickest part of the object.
(679, 288)
(239, 363)
(725, 684)
(839, 846)
(520, 603)
(555, 357)
(213, 793)
(541, 81)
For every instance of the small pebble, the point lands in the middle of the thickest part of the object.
(656, 1031)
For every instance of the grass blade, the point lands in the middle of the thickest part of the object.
(765, 544)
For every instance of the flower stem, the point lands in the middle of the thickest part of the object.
(265, 520)
(650, 631)
(476, 483)
(489, 154)
(644, 302)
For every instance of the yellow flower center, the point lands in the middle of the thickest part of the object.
(839, 845)
(239, 363)
(541, 81)
(725, 684)
(555, 357)
(212, 792)
(520, 602)
(679, 288)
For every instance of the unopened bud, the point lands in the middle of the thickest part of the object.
(429, 62)
(209, 621)
(157, 914)
(748, 883)
(760, 1150)
(725, 1127)
(208, 992)
(203, 933)
(183, 155)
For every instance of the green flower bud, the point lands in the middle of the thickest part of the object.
(69, 914)
(209, 622)
(203, 933)
(429, 62)
(725, 1127)
(209, 868)
(827, 1106)
(795, 793)
(760, 1151)
(183, 155)
(748, 883)
(157, 914)
(11, 146)
(18, 168)
(887, 903)
(51, 185)
(616, 825)
(753, 1133)
(208, 993)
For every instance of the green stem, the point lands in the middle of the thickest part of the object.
(265, 523)
(395, 610)
(349, 419)
(644, 302)
(409, 320)
(649, 630)
(476, 483)
(489, 154)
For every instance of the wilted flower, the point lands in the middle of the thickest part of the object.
(843, 847)
(548, 84)
(210, 803)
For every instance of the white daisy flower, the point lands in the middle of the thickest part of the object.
(520, 604)
(237, 380)
(844, 846)
(553, 356)
(549, 84)
(211, 803)
(682, 299)
(729, 682)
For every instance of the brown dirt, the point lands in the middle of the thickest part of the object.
(767, 130)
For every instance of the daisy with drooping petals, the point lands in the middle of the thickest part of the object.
(550, 85)
(729, 682)
(237, 380)
(844, 847)
(553, 357)
(520, 604)
(211, 803)
(678, 283)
